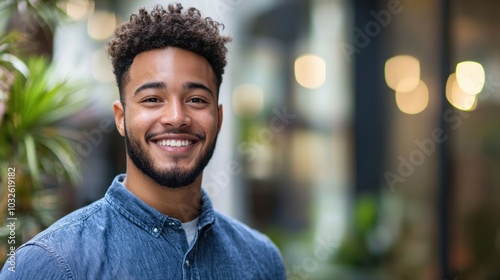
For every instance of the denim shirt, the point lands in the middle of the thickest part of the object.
(121, 237)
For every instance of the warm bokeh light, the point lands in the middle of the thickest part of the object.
(248, 100)
(101, 25)
(458, 97)
(470, 76)
(402, 73)
(415, 101)
(77, 9)
(310, 71)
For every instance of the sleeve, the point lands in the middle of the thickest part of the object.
(33, 262)
(278, 263)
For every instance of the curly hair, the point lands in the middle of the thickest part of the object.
(161, 28)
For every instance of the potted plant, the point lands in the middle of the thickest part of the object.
(36, 155)
(36, 147)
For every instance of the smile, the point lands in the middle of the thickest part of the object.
(174, 143)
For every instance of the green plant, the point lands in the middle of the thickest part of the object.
(39, 12)
(9, 43)
(10, 65)
(33, 141)
(354, 250)
(33, 104)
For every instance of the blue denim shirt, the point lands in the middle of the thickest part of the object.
(121, 237)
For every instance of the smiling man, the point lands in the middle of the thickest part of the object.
(155, 221)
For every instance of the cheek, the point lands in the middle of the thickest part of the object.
(137, 121)
(208, 123)
(213, 131)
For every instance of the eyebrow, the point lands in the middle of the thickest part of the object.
(194, 85)
(153, 85)
(162, 85)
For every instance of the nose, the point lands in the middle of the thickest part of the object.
(175, 114)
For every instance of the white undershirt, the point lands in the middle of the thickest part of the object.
(190, 229)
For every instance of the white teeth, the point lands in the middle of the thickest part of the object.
(175, 143)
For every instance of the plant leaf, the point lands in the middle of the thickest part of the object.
(18, 64)
(31, 156)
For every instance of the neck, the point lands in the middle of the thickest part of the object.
(182, 203)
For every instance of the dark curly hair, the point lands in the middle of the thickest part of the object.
(161, 28)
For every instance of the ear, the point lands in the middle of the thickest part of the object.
(219, 124)
(119, 113)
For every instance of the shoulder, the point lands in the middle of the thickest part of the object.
(248, 240)
(34, 261)
(64, 227)
(237, 229)
(44, 256)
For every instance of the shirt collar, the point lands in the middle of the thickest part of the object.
(146, 217)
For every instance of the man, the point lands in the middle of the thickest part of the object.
(155, 221)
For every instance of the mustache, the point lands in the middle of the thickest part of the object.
(173, 131)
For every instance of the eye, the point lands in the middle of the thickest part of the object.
(151, 100)
(197, 100)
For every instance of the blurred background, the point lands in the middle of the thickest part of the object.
(362, 136)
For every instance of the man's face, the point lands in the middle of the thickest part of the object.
(171, 118)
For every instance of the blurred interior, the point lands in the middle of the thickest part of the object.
(346, 138)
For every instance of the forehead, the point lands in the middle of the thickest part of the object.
(169, 65)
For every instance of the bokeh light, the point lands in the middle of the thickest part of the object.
(457, 96)
(310, 71)
(101, 25)
(78, 9)
(470, 76)
(402, 73)
(414, 101)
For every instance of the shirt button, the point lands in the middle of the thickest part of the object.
(187, 263)
(155, 230)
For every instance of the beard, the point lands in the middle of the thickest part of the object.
(174, 177)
